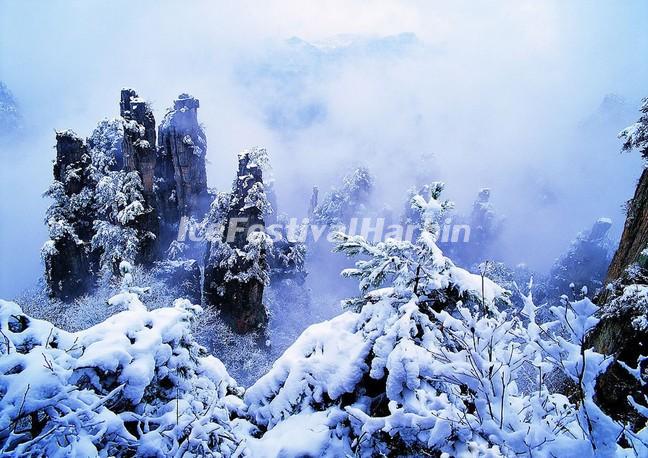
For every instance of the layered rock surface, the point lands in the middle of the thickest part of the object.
(181, 176)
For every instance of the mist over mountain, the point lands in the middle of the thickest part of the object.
(286, 79)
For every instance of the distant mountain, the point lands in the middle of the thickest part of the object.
(613, 113)
(284, 80)
(10, 118)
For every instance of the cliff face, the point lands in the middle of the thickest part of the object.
(635, 232)
(119, 197)
(181, 176)
(620, 333)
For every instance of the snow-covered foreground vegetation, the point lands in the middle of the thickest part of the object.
(431, 360)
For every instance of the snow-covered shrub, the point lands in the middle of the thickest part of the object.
(519, 278)
(134, 384)
(92, 308)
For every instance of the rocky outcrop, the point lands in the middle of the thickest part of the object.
(635, 232)
(69, 262)
(140, 155)
(350, 200)
(236, 267)
(181, 177)
(623, 334)
(157, 187)
(312, 205)
(469, 240)
(139, 137)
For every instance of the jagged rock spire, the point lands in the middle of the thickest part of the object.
(67, 256)
(139, 149)
(236, 267)
(181, 174)
(139, 137)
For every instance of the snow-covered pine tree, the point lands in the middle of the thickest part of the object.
(636, 135)
(106, 146)
(121, 209)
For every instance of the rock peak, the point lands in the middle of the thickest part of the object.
(186, 101)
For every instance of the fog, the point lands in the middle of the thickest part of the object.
(507, 95)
